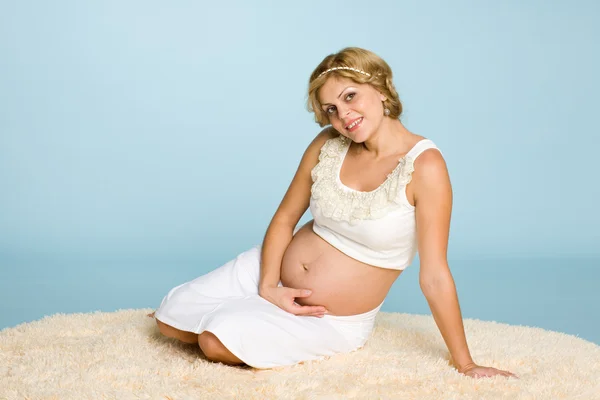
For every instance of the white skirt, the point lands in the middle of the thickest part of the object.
(226, 302)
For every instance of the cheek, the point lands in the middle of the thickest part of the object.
(337, 125)
(366, 107)
(334, 120)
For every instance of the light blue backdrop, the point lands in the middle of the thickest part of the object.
(143, 143)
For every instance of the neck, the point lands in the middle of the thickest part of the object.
(387, 140)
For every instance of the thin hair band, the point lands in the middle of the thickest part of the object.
(348, 68)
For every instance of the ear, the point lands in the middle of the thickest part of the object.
(382, 96)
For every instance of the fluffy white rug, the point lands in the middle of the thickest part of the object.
(121, 355)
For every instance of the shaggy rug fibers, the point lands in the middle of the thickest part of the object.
(121, 355)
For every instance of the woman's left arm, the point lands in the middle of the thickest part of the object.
(433, 203)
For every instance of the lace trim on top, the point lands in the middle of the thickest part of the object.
(341, 203)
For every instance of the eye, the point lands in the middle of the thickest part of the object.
(349, 96)
(330, 110)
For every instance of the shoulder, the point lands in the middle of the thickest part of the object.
(430, 161)
(313, 151)
(430, 173)
(328, 134)
(427, 157)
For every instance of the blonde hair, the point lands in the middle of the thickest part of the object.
(359, 65)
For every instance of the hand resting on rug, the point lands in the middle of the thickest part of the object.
(477, 371)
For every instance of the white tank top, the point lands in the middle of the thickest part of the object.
(376, 227)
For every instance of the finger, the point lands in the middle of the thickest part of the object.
(302, 292)
(318, 315)
(309, 309)
(306, 310)
(315, 313)
(506, 374)
(510, 374)
(503, 372)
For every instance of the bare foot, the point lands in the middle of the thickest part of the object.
(151, 315)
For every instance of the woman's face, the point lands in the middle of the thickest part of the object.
(355, 110)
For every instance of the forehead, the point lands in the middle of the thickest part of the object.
(333, 86)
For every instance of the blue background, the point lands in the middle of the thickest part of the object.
(144, 143)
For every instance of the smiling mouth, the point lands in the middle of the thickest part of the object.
(354, 123)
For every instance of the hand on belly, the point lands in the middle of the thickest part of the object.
(314, 278)
(287, 299)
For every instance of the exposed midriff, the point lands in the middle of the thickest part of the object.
(343, 285)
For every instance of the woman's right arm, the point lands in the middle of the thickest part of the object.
(280, 232)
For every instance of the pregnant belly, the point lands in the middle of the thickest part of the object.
(343, 285)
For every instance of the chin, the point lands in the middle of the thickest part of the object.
(345, 134)
(360, 137)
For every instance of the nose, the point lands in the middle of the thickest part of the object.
(343, 111)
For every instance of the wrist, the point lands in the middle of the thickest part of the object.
(265, 288)
(465, 367)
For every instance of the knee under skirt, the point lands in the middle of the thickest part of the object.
(225, 302)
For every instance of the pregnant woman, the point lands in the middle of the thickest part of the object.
(378, 193)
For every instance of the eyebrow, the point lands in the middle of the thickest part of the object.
(340, 95)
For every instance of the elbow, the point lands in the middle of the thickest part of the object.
(426, 285)
(429, 287)
(435, 282)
